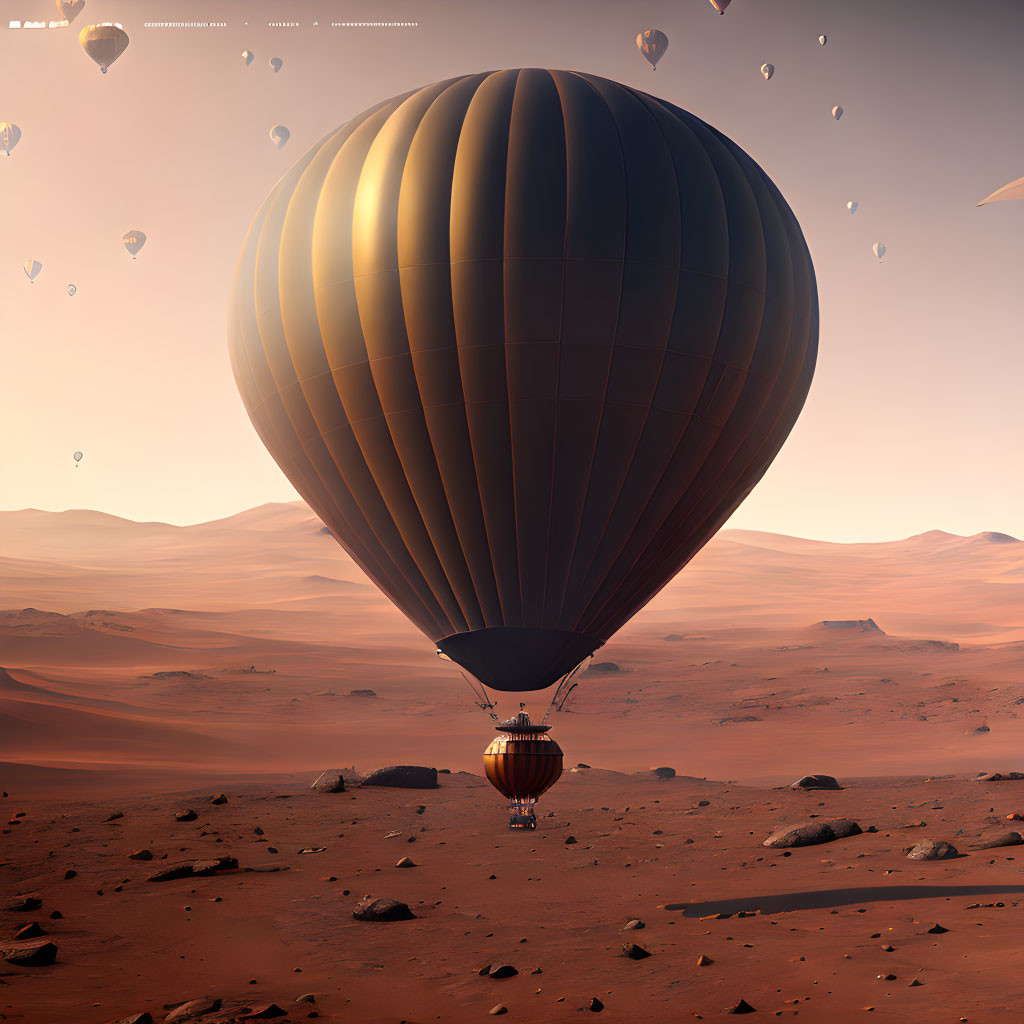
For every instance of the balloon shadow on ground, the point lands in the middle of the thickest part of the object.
(781, 903)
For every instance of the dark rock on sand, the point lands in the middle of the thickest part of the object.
(194, 869)
(816, 782)
(1000, 777)
(502, 971)
(664, 773)
(141, 855)
(595, 1005)
(404, 776)
(634, 952)
(33, 953)
(384, 909)
(937, 929)
(1005, 839)
(635, 924)
(265, 1012)
(498, 1011)
(741, 1007)
(186, 815)
(193, 1008)
(136, 1018)
(113, 817)
(220, 798)
(813, 833)
(405, 862)
(23, 903)
(932, 849)
(362, 693)
(29, 931)
(330, 781)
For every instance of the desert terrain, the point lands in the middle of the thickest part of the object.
(147, 667)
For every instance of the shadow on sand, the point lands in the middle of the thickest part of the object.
(781, 903)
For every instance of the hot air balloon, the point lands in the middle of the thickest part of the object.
(837, 111)
(522, 764)
(72, 290)
(767, 70)
(852, 206)
(1015, 190)
(878, 249)
(133, 242)
(104, 43)
(653, 45)
(720, 5)
(822, 40)
(524, 340)
(247, 56)
(32, 268)
(279, 135)
(10, 135)
(78, 459)
(276, 64)
(70, 9)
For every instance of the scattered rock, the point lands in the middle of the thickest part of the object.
(813, 833)
(595, 1005)
(330, 781)
(634, 952)
(1000, 777)
(69, 874)
(220, 798)
(29, 931)
(1005, 839)
(571, 840)
(306, 997)
(604, 668)
(816, 782)
(978, 730)
(384, 909)
(405, 862)
(502, 971)
(932, 849)
(193, 1008)
(23, 903)
(187, 815)
(362, 693)
(497, 1011)
(703, 961)
(33, 953)
(141, 855)
(267, 868)
(937, 929)
(113, 817)
(194, 868)
(741, 1007)
(404, 776)
(137, 1018)
(664, 773)
(855, 625)
(634, 924)
(265, 1012)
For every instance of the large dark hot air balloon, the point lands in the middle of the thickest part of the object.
(523, 763)
(524, 340)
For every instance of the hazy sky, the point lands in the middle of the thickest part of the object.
(916, 416)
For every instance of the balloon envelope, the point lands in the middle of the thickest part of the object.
(78, 456)
(276, 63)
(837, 111)
(103, 43)
(72, 289)
(32, 268)
(524, 340)
(767, 70)
(247, 56)
(1015, 190)
(133, 241)
(652, 45)
(279, 135)
(70, 9)
(720, 5)
(822, 40)
(878, 249)
(10, 134)
(852, 206)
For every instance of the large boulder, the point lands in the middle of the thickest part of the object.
(193, 1008)
(330, 781)
(383, 909)
(932, 849)
(816, 782)
(404, 776)
(30, 953)
(813, 833)
(664, 773)
(1000, 777)
(1004, 839)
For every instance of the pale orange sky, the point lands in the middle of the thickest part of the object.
(915, 420)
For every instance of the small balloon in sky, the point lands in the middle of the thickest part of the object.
(652, 44)
(279, 135)
(852, 206)
(822, 40)
(767, 70)
(276, 64)
(10, 134)
(133, 242)
(248, 56)
(720, 5)
(77, 458)
(878, 249)
(1015, 190)
(32, 268)
(103, 43)
(70, 9)
(837, 111)
(72, 289)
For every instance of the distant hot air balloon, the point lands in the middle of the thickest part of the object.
(70, 9)
(822, 40)
(652, 45)
(276, 64)
(32, 268)
(10, 135)
(133, 242)
(77, 458)
(878, 249)
(104, 43)
(837, 111)
(72, 289)
(720, 5)
(1015, 190)
(247, 56)
(522, 764)
(852, 206)
(524, 340)
(279, 135)
(767, 70)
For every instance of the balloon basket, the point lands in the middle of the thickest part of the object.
(521, 816)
